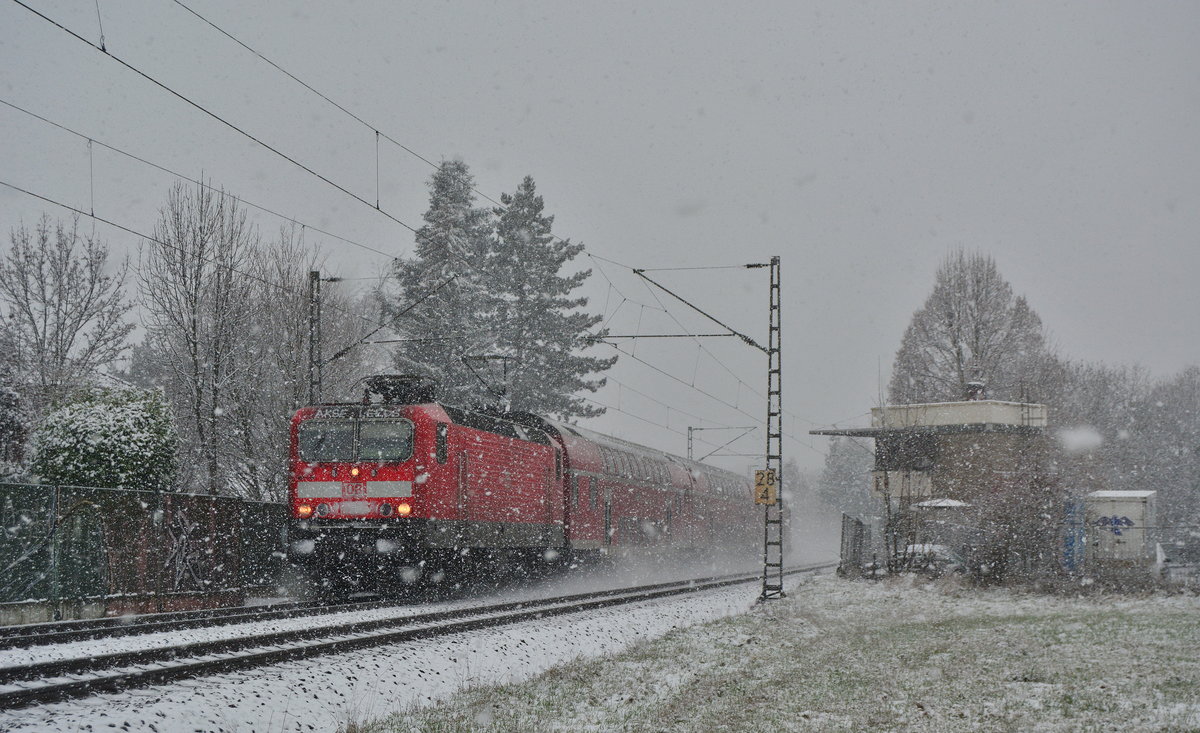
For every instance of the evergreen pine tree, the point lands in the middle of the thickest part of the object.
(537, 321)
(445, 323)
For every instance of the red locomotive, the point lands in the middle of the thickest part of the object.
(399, 484)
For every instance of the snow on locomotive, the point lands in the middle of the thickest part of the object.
(400, 484)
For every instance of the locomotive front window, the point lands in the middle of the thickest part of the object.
(322, 441)
(385, 440)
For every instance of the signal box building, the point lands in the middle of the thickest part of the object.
(970, 475)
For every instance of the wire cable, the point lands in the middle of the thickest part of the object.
(291, 290)
(191, 180)
(374, 128)
(214, 115)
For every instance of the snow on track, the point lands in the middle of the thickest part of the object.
(325, 692)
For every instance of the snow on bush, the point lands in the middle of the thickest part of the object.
(113, 439)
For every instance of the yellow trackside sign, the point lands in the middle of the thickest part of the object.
(766, 487)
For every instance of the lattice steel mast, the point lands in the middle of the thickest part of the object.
(773, 513)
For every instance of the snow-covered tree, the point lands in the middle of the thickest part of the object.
(237, 413)
(845, 482)
(273, 381)
(486, 307)
(444, 303)
(199, 307)
(972, 329)
(537, 322)
(64, 310)
(112, 439)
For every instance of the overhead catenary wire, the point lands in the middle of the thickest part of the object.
(663, 307)
(292, 290)
(741, 382)
(252, 137)
(189, 179)
(214, 115)
(255, 139)
(711, 396)
(359, 119)
(370, 126)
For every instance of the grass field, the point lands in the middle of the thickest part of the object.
(858, 655)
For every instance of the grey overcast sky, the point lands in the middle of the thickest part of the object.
(859, 141)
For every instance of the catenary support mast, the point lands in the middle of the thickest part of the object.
(773, 514)
(314, 337)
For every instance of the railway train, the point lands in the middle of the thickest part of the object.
(400, 486)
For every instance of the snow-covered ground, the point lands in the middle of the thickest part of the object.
(324, 693)
(856, 655)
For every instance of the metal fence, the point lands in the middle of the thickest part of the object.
(133, 551)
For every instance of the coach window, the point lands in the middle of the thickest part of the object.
(321, 441)
(385, 440)
(442, 430)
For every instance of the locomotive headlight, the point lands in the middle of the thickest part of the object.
(404, 509)
(304, 510)
(354, 472)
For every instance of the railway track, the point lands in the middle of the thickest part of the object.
(59, 632)
(43, 682)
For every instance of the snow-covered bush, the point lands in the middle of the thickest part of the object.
(115, 439)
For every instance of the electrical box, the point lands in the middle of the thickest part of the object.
(1119, 525)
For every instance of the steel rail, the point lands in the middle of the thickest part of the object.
(53, 632)
(63, 679)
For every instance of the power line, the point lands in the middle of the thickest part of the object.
(700, 346)
(234, 127)
(679, 269)
(663, 307)
(365, 123)
(711, 396)
(257, 278)
(255, 139)
(213, 115)
(373, 128)
(663, 404)
(189, 179)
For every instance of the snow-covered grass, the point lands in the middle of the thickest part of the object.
(844, 655)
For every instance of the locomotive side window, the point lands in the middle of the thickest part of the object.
(385, 440)
(442, 430)
(326, 440)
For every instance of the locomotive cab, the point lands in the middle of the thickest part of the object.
(387, 490)
(353, 472)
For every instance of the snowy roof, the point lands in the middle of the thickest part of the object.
(1121, 494)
